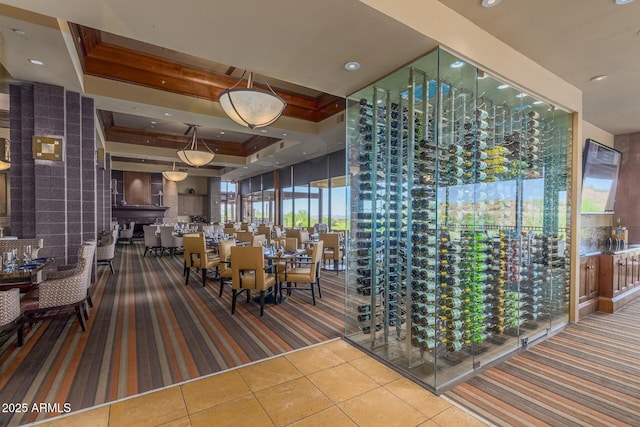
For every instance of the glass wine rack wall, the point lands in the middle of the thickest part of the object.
(459, 239)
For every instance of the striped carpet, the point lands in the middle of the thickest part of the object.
(587, 375)
(148, 330)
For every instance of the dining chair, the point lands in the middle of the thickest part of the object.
(245, 236)
(249, 273)
(225, 272)
(66, 270)
(301, 235)
(259, 240)
(106, 253)
(266, 230)
(288, 244)
(126, 234)
(151, 239)
(10, 315)
(309, 274)
(168, 241)
(332, 250)
(63, 293)
(196, 255)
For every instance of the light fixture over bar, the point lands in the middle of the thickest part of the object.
(252, 107)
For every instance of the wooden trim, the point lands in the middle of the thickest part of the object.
(611, 305)
(119, 63)
(252, 145)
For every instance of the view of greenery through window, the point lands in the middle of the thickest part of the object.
(304, 205)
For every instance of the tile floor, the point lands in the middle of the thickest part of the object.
(331, 384)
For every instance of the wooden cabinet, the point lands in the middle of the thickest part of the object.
(619, 279)
(589, 284)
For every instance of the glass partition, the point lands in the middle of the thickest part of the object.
(458, 250)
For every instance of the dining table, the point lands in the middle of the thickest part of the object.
(24, 275)
(273, 257)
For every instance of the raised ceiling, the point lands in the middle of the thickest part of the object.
(166, 63)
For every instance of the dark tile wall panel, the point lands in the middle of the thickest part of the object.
(73, 174)
(53, 200)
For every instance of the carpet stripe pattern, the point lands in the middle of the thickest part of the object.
(148, 330)
(586, 375)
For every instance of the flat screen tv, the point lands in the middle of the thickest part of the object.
(600, 170)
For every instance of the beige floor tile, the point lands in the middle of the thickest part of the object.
(292, 401)
(456, 417)
(428, 423)
(242, 412)
(149, 410)
(375, 370)
(423, 400)
(380, 407)
(180, 422)
(267, 374)
(332, 416)
(314, 359)
(344, 350)
(214, 390)
(342, 382)
(93, 418)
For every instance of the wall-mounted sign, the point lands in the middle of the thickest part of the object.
(47, 148)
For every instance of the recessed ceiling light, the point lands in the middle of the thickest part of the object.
(167, 114)
(598, 78)
(352, 66)
(263, 130)
(490, 3)
(284, 134)
(537, 102)
(36, 61)
(19, 32)
(457, 64)
(221, 132)
(623, 1)
(153, 122)
(503, 86)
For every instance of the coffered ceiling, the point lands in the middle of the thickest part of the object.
(154, 68)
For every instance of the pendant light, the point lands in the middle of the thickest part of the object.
(174, 175)
(252, 107)
(193, 156)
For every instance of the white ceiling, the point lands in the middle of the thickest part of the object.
(308, 42)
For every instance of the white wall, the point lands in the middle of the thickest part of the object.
(592, 132)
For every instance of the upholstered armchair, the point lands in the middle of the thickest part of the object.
(10, 315)
(106, 252)
(197, 256)
(151, 239)
(63, 295)
(168, 241)
(309, 274)
(127, 233)
(248, 273)
(20, 244)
